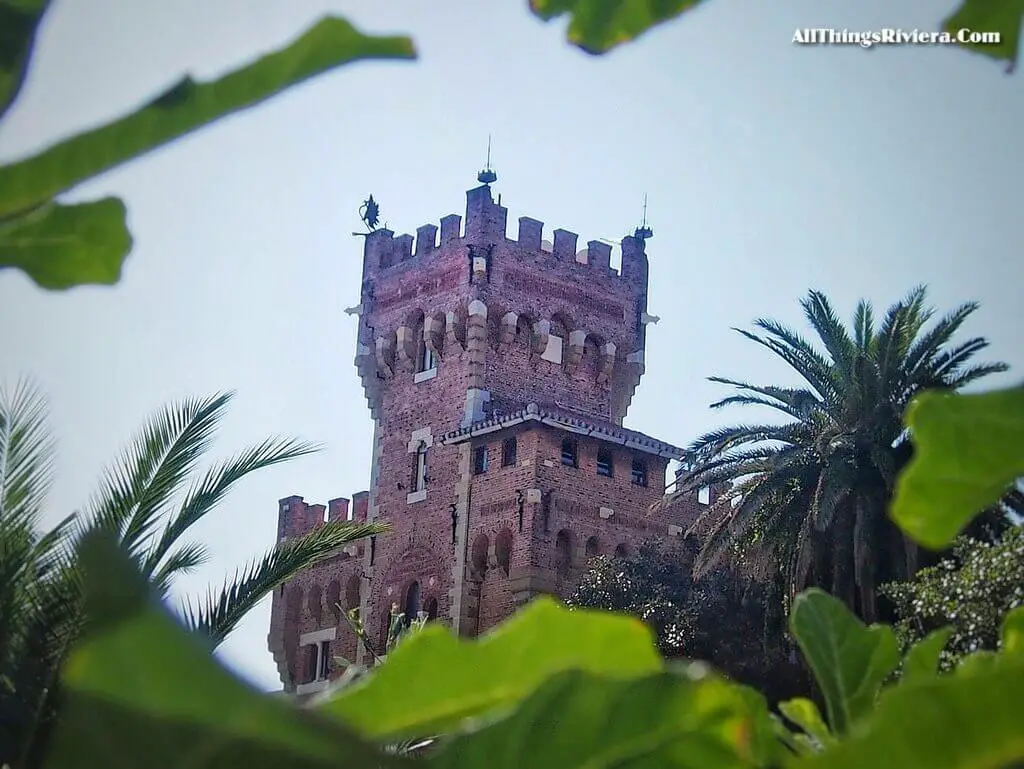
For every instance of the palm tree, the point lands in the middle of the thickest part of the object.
(809, 495)
(150, 499)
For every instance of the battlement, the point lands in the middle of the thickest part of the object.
(295, 517)
(486, 223)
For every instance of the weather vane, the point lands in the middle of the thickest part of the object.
(369, 212)
(487, 176)
(644, 232)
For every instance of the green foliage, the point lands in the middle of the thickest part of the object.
(1004, 17)
(733, 622)
(808, 497)
(59, 246)
(41, 604)
(970, 592)
(969, 450)
(444, 680)
(597, 26)
(850, 661)
(141, 692)
(925, 656)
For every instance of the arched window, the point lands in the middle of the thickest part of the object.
(426, 359)
(315, 604)
(412, 603)
(334, 599)
(352, 592)
(622, 551)
(563, 552)
(419, 477)
(431, 609)
(479, 555)
(593, 547)
(503, 550)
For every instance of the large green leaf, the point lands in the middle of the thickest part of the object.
(434, 681)
(577, 719)
(597, 26)
(1012, 641)
(188, 105)
(968, 449)
(60, 246)
(849, 661)
(922, 660)
(141, 692)
(1001, 16)
(19, 21)
(805, 714)
(947, 722)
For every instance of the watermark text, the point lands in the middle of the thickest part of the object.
(871, 38)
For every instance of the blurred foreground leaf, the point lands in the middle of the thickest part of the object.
(59, 246)
(849, 661)
(1002, 16)
(597, 26)
(433, 681)
(968, 450)
(141, 692)
(19, 22)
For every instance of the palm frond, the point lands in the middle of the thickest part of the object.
(220, 613)
(184, 560)
(139, 486)
(216, 483)
(26, 451)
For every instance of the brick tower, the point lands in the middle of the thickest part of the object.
(498, 372)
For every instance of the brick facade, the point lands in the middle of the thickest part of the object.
(498, 373)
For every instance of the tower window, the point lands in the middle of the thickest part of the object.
(426, 359)
(419, 478)
(324, 661)
(508, 452)
(704, 496)
(479, 460)
(638, 473)
(568, 452)
(604, 463)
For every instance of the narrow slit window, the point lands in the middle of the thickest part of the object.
(569, 452)
(604, 463)
(508, 452)
(419, 478)
(479, 460)
(638, 474)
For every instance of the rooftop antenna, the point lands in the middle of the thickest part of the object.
(487, 176)
(644, 232)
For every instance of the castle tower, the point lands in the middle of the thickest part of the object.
(498, 372)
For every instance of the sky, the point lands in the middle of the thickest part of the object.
(770, 169)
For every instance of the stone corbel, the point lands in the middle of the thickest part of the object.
(577, 341)
(406, 357)
(385, 356)
(455, 331)
(507, 330)
(541, 332)
(605, 363)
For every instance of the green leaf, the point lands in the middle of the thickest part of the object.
(947, 722)
(188, 105)
(432, 682)
(1004, 17)
(922, 660)
(968, 449)
(849, 661)
(62, 246)
(597, 26)
(977, 662)
(19, 21)
(1012, 641)
(805, 714)
(141, 692)
(578, 719)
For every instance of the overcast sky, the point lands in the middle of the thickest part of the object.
(771, 168)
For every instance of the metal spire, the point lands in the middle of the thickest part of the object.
(643, 232)
(487, 176)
